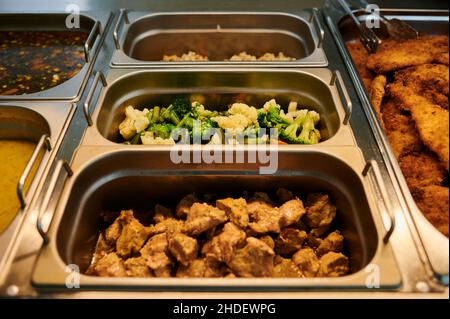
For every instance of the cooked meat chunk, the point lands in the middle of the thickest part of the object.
(333, 265)
(409, 53)
(291, 212)
(236, 210)
(266, 220)
(183, 248)
(137, 267)
(333, 242)
(223, 246)
(131, 239)
(195, 269)
(422, 169)
(285, 268)
(110, 266)
(268, 240)
(284, 195)
(161, 213)
(113, 232)
(155, 254)
(289, 241)
(428, 80)
(433, 201)
(431, 120)
(307, 262)
(377, 92)
(205, 267)
(169, 225)
(320, 212)
(313, 241)
(203, 217)
(185, 204)
(254, 260)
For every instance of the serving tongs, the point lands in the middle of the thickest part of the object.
(396, 29)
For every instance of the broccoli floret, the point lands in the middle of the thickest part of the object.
(306, 126)
(271, 117)
(182, 106)
(176, 111)
(262, 120)
(274, 117)
(161, 130)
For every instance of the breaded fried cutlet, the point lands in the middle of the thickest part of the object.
(377, 92)
(433, 201)
(432, 121)
(429, 49)
(400, 130)
(422, 169)
(428, 80)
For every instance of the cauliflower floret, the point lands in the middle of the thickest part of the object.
(249, 112)
(148, 138)
(272, 102)
(234, 123)
(135, 122)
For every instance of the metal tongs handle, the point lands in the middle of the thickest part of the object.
(349, 11)
(44, 141)
(45, 202)
(372, 164)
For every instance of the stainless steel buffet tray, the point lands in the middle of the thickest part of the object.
(45, 124)
(312, 88)
(91, 22)
(148, 36)
(116, 177)
(435, 244)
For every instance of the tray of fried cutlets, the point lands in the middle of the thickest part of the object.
(407, 83)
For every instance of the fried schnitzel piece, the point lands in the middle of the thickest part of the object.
(428, 80)
(360, 56)
(422, 169)
(377, 92)
(409, 53)
(433, 201)
(400, 130)
(432, 121)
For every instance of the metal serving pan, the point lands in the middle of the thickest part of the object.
(218, 35)
(91, 22)
(434, 244)
(313, 88)
(112, 177)
(43, 123)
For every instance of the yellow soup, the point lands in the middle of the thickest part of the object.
(14, 156)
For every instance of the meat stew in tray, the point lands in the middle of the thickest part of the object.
(216, 236)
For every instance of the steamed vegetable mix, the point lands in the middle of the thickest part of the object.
(190, 122)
